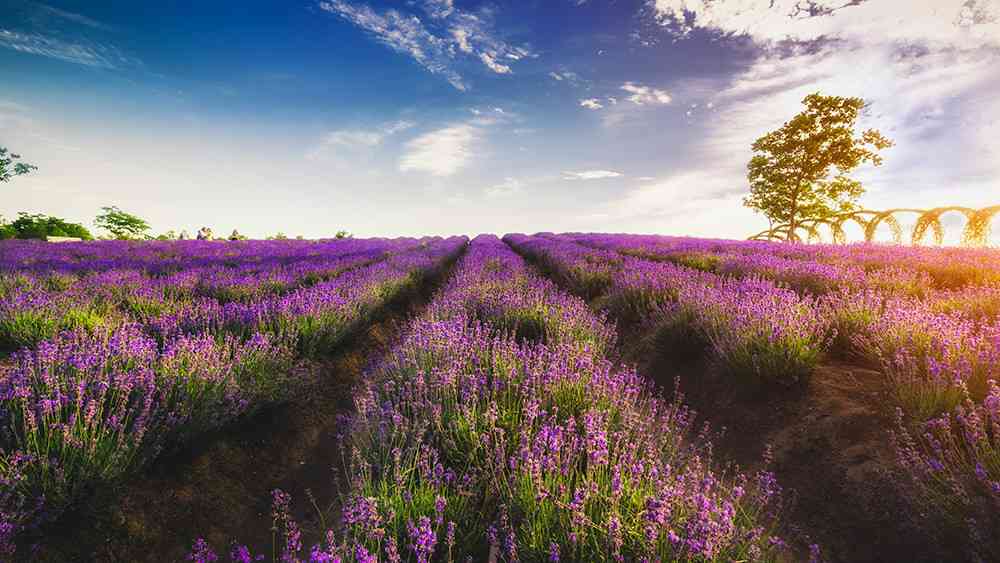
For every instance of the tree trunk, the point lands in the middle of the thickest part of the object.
(793, 222)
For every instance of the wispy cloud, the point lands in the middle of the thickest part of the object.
(351, 139)
(437, 49)
(403, 34)
(926, 77)
(958, 23)
(73, 17)
(591, 175)
(643, 95)
(509, 187)
(671, 205)
(81, 52)
(564, 75)
(493, 65)
(442, 152)
(637, 94)
(439, 9)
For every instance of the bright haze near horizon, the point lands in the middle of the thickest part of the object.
(463, 116)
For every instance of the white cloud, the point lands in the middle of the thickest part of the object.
(350, 139)
(591, 175)
(79, 52)
(697, 203)
(508, 187)
(403, 34)
(73, 17)
(442, 152)
(435, 48)
(927, 70)
(439, 9)
(566, 75)
(676, 195)
(642, 95)
(493, 65)
(959, 23)
(461, 37)
(591, 103)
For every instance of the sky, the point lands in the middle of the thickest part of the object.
(414, 117)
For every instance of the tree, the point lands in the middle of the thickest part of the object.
(121, 225)
(9, 167)
(343, 234)
(790, 171)
(38, 226)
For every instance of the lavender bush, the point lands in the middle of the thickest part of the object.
(754, 329)
(472, 440)
(90, 405)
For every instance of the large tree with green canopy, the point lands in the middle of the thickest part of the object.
(800, 171)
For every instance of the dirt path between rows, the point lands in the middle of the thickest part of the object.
(220, 488)
(830, 447)
(829, 442)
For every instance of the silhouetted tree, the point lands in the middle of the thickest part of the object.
(790, 172)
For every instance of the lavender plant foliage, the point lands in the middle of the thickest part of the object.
(478, 437)
(138, 357)
(754, 328)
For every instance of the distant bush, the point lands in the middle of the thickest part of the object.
(122, 225)
(39, 226)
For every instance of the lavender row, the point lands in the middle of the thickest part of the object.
(31, 311)
(89, 407)
(497, 429)
(843, 280)
(943, 268)
(754, 328)
(36, 305)
(932, 351)
(940, 358)
(159, 258)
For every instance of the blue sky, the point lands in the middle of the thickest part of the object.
(464, 116)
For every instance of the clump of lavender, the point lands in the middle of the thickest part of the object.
(931, 359)
(86, 407)
(533, 445)
(471, 440)
(951, 471)
(754, 329)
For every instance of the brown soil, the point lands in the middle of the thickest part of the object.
(830, 448)
(829, 440)
(220, 488)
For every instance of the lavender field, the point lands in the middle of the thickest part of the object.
(570, 397)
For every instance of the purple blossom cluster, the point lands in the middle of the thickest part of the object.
(90, 404)
(951, 470)
(35, 305)
(753, 327)
(483, 436)
(944, 267)
(928, 318)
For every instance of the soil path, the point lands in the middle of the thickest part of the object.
(830, 450)
(220, 488)
(829, 442)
